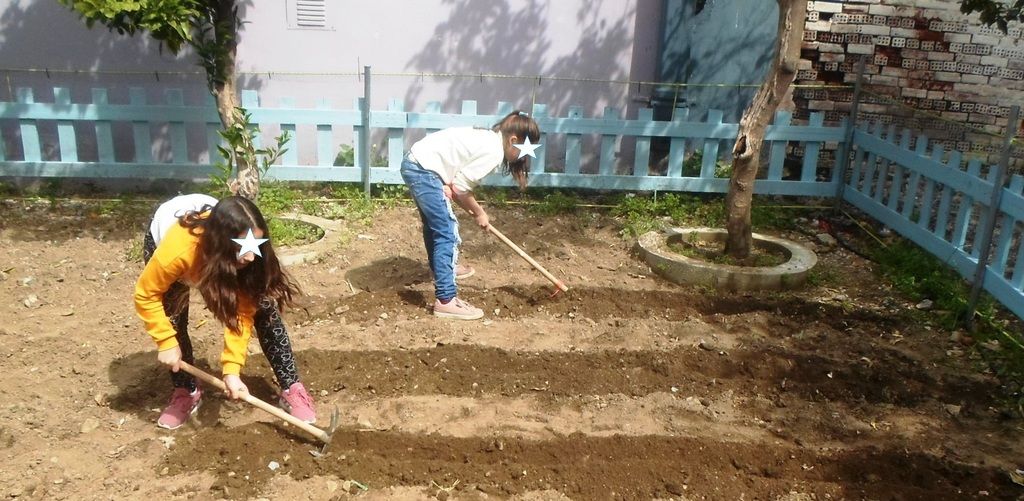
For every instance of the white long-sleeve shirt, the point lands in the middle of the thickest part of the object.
(462, 156)
(167, 214)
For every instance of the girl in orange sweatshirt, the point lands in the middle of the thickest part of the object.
(223, 249)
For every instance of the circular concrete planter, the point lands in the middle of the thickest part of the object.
(681, 269)
(312, 251)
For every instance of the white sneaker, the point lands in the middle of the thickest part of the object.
(457, 309)
(463, 272)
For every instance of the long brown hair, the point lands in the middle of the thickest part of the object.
(519, 124)
(221, 280)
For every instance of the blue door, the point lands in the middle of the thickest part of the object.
(714, 45)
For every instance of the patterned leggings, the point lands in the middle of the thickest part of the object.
(269, 327)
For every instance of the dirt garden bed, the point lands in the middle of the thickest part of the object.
(627, 387)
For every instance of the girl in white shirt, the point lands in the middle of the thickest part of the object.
(446, 165)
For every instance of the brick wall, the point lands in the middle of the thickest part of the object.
(928, 67)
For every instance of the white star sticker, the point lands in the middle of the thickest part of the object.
(526, 148)
(249, 243)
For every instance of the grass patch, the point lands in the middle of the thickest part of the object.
(821, 276)
(292, 232)
(133, 252)
(640, 214)
(556, 203)
(919, 275)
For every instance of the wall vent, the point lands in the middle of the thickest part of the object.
(308, 15)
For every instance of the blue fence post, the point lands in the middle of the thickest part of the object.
(30, 147)
(364, 139)
(65, 128)
(140, 128)
(990, 216)
(777, 155)
(843, 161)
(179, 139)
(291, 152)
(572, 144)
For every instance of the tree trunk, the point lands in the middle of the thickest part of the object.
(754, 123)
(225, 28)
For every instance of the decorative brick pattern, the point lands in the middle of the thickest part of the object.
(1008, 53)
(929, 68)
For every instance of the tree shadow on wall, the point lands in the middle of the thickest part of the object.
(486, 37)
(491, 37)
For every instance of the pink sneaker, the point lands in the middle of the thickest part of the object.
(457, 309)
(298, 403)
(183, 405)
(463, 272)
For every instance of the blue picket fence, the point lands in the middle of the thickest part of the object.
(573, 133)
(931, 197)
(940, 202)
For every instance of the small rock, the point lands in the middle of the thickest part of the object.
(992, 345)
(674, 489)
(341, 309)
(953, 410)
(925, 305)
(89, 425)
(273, 465)
(826, 239)
(324, 393)
(956, 336)
(30, 301)
(332, 486)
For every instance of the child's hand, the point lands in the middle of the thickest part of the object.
(447, 192)
(236, 388)
(170, 357)
(482, 219)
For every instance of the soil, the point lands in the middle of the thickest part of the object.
(713, 252)
(625, 387)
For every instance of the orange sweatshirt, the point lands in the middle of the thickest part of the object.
(175, 260)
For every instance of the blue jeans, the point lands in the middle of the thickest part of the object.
(440, 227)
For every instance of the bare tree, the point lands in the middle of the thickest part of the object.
(754, 123)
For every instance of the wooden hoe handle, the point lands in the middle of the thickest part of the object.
(558, 283)
(276, 411)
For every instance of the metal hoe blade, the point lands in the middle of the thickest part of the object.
(335, 418)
